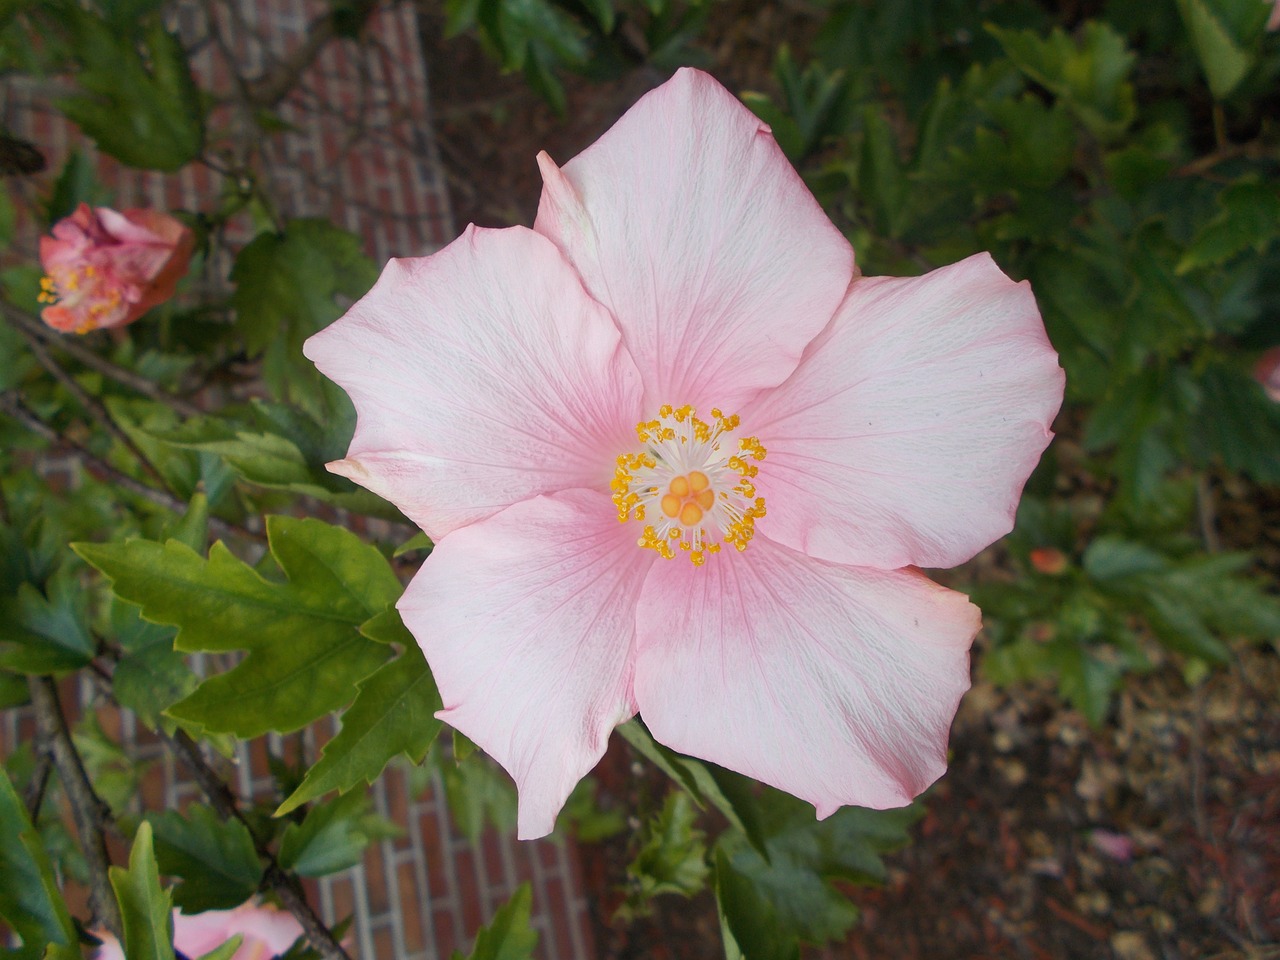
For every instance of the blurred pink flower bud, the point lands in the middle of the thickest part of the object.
(1267, 370)
(1048, 560)
(1273, 23)
(106, 268)
(268, 932)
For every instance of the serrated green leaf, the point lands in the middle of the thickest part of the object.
(144, 111)
(30, 902)
(150, 676)
(479, 793)
(286, 285)
(508, 936)
(771, 902)
(1249, 220)
(1089, 74)
(695, 776)
(393, 714)
(214, 858)
(305, 650)
(331, 838)
(42, 634)
(672, 857)
(145, 909)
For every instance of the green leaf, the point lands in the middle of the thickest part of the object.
(773, 901)
(224, 952)
(278, 448)
(479, 792)
(882, 182)
(672, 857)
(509, 936)
(1249, 220)
(1111, 558)
(305, 650)
(393, 714)
(30, 902)
(332, 837)
(1224, 61)
(150, 676)
(1238, 424)
(215, 858)
(602, 11)
(140, 106)
(1089, 74)
(76, 184)
(42, 634)
(286, 289)
(584, 819)
(145, 909)
(706, 784)
(1087, 681)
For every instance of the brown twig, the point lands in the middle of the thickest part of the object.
(284, 885)
(14, 407)
(136, 382)
(34, 794)
(1207, 514)
(92, 816)
(274, 85)
(90, 404)
(1202, 165)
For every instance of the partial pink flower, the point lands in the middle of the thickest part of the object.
(106, 268)
(1267, 372)
(1273, 21)
(680, 459)
(267, 931)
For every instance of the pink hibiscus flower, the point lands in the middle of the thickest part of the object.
(107, 268)
(805, 437)
(268, 932)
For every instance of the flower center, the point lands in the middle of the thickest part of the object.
(691, 484)
(77, 286)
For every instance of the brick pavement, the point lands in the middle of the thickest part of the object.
(358, 150)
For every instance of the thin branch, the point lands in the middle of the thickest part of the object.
(92, 816)
(1208, 514)
(91, 405)
(1252, 150)
(284, 885)
(14, 407)
(34, 794)
(136, 382)
(274, 85)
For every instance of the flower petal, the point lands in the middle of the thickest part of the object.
(908, 430)
(686, 220)
(836, 684)
(528, 621)
(481, 376)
